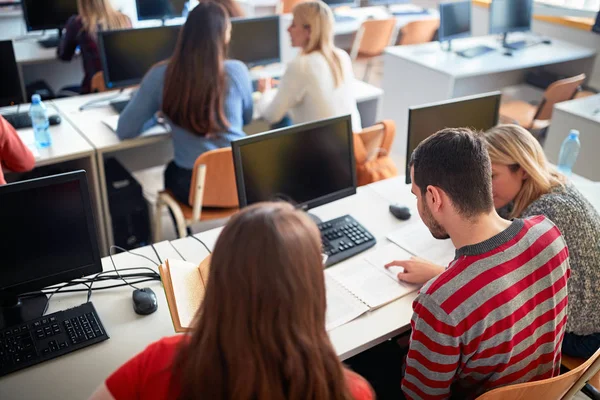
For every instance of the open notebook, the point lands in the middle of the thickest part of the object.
(158, 129)
(416, 238)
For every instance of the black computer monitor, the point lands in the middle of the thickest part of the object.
(161, 9)
(255, 41)
(48, 14)
(307, 165)
(478, 112)
(455, 20)
(10, 83)
(128, 54)
(48, 237)
(510, 16)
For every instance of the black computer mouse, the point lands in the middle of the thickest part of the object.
(400, 212)
(547, 41)
(54, 119)
(508, 53)
(144, 301)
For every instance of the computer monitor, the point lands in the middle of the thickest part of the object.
(510, 16)
(48, 237)
(128, 54)
(10, 82)
(341, 3)
(48, 14)
(161, 9)
(255, 41)
(455, 20)
(478, 112)
(307, 165)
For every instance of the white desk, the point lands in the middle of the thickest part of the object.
(70, 151)
(421, 74)
(584, 115)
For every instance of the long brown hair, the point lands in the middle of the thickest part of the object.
(195, 85)
(231, 6)
(260, 332)
(100, 14)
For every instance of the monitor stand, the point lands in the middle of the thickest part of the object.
(52, 41)
(18, 310)
(518, 45)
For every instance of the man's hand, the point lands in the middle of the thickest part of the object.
(416, 270)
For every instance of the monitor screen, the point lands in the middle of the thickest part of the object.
(161, 9)
(596, 27)
(510, 16)
(306, 165)
(10, 83)
(48, 233)
(476, 112)
(48, 14)
(455, 20)
(128, 54)
(255, 41)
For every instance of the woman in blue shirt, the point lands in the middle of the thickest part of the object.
(204, 98)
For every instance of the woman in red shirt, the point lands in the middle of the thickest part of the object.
(260, 332)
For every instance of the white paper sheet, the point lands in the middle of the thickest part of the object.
(416, 239)
(158, 129)
(342, 306)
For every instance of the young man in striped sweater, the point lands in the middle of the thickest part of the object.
(496, 316)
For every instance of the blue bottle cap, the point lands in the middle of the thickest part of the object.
(36, 99)
(573, 134)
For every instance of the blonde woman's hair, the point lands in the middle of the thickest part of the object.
(100, 15)
(515, 147)
(317, 16)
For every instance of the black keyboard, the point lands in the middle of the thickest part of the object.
(475, 51)
(119, 106)
(48, 337)
(343, 18)
(343, 238)
(50, 42)
(23, 120)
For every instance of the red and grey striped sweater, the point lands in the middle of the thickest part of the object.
(495, 317)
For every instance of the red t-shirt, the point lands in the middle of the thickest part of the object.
(148, 375)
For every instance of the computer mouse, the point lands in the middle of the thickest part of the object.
(547, 41)
(144, 301)
(508, 53)
(54, 119)
(400, 212)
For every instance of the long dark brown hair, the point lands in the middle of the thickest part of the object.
(233, 8)
(260, 332)
(195, 83)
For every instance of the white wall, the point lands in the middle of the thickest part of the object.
(480, 24)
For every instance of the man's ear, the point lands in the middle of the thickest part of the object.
(434, 198)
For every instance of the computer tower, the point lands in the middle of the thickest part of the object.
(128, 208)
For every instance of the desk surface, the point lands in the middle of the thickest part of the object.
(376, 12)
(586, 107)
(29, 51)
(431, 56)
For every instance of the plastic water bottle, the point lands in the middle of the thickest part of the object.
(569, 152)
(39, 120)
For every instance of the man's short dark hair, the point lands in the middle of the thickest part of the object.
(456, 160)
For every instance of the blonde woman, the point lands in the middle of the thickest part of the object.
(317, 84)
(82, 31)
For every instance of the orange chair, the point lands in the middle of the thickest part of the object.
(562, 387)
(572, 362)
(286, 6)
(213, 185)
(538, 117)
(372, 147)
(371, 39)
(97, 83)
(584, 93)
(418, 32)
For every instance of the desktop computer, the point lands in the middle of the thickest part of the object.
(48, 238)
(306, 165)
(255, 41)
(508, 16)
(478, 112)
(161, 9)
(48, 14)
(455, 23)
(333, 4)
(10, 82)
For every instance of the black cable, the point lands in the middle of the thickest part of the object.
(115, 267)
(91, 103)
(177, 251)
(52, 294)
(202, 243)
(156, 252)
(136, 254)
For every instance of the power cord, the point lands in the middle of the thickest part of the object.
(94, 103)
(177, 251)
(130, 252)
(201, 242)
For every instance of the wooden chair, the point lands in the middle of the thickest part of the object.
(213, 185)
(286, 6)
(558, 388)
(372, 148)
(373, 36)
(97, 83)
(538, 117)
(418, 32)
(571, 363)
(584, 93)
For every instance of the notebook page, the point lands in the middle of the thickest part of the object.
(416, 239)
(386, 254)
(188, 289)
(342, 306)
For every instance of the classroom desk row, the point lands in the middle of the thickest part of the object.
(76, 375)
(83, 141)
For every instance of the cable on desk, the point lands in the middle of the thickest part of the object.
(156, 252)
(93, 103)
(177, 251)
(202, 243)
(115, 267)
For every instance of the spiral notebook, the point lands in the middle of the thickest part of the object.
(361, 285)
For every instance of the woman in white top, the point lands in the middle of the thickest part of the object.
(317, 84)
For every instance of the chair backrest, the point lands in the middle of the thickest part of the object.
(372, 147)
(286, 6)
(97, 83)
(591, 376)
(220, 189)
(418, 32)
(374, 36)
(552, 388)
(561, 90)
